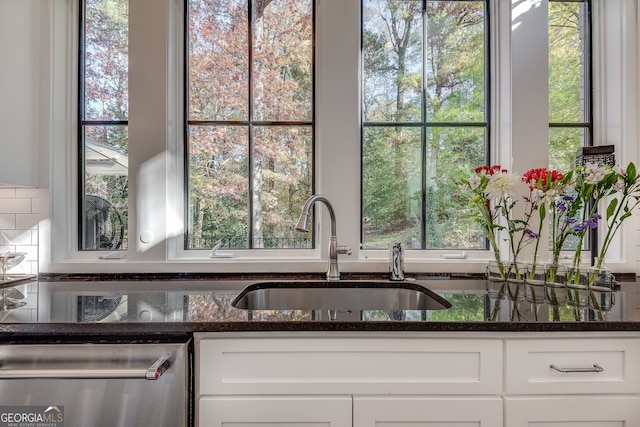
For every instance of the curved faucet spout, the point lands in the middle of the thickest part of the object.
(333, 273)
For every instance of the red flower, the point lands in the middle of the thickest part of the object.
(538, 178)
(489, 170)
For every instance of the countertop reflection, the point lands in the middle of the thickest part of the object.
(180, 301)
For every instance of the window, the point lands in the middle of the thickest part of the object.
(425, 121)
(569, 81)
(103, 111)
(569, 89)
(250, 121)
(384, 140)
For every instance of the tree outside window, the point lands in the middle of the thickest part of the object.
(425, 121)
(103, 136)
(250, 121)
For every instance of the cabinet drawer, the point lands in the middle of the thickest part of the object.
(572, 366)
(349, 365)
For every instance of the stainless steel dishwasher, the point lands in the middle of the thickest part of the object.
(101, 384)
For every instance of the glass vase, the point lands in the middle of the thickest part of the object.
(496, 283)
(555, 280)
(578, 286)
(515, 281)
(535, 283)
(601, 286)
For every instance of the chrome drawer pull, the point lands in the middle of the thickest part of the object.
(153, 372)
(595, 368)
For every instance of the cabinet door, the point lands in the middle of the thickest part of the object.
(558, 411)
(427, 411)
(218, 411)
(537, 366)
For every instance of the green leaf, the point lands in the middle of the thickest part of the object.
(612, 208)
(631, 171)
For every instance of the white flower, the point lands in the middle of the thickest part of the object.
(620, 170)
(537, 195)
(474, 181)
(594, 173)
(550, 195)
(502, 184)
(619, 185)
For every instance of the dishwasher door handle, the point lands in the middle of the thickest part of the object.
(153, 372)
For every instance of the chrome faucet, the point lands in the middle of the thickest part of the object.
(333, 273)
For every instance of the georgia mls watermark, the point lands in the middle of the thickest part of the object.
(32, 416)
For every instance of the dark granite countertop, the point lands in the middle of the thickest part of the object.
(79, 307)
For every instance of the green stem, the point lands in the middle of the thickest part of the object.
(615, 224)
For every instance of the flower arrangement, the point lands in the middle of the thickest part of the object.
(571, 199)
(568, 204)
(627, 187)
(544, 187)
(493, 191)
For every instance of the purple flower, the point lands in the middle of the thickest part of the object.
(531, 234)
(593, 222)
(568, 198)
(579, 227)
(569, 220)
(561, 206)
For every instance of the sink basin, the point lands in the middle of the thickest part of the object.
(341, 295)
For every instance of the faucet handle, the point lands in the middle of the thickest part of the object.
(342, 249)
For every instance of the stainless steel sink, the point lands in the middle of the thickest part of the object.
(341, 295)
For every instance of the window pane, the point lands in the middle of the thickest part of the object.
(391, 187)
(106, 60)
(250, 146)
(455, 73)
(282, 176)
(282, 59)
(568, 82)
(452, 153)
(564, 146)
(106, 188)
(569, 89)
(218, 190)
(218, 60)
(104, 191)
(392, 60)
(411, 171)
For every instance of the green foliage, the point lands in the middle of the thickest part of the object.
(397, 182)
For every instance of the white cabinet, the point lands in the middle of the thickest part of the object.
(569, 381)
(583, 411)
(273, 379)
(384, 364)
(422, 378)
(326, 411)
(572, 365)
(432, 411)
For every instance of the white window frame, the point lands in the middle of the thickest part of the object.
(519, 125)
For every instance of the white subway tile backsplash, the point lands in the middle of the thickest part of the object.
(7, 193)
(18, 237)
(26, 221)
(7, 221)
(15, 206)
(21, 209)
(27, 193)
(19, 228)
